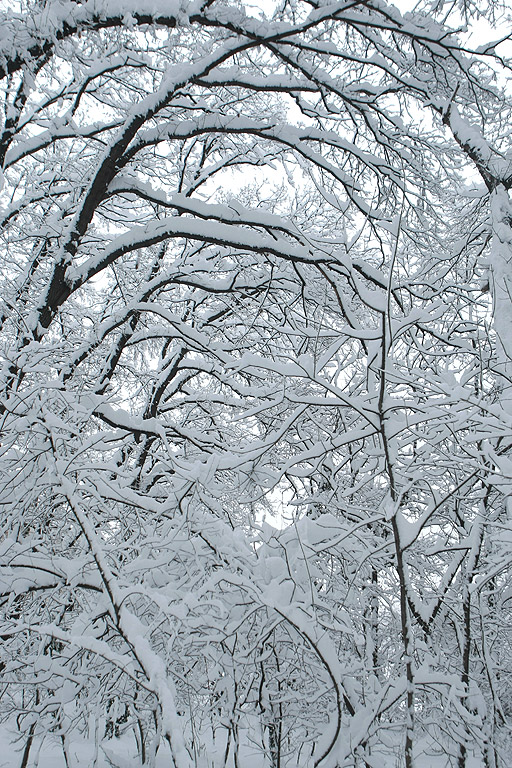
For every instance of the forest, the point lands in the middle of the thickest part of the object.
(256, 384)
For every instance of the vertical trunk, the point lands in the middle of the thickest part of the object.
(374, 623)
(30, 739)
(501, 267)
(466, 653)
(140, 738)
(476, 533)
(394, 500)
(407, 646)
(28, 746)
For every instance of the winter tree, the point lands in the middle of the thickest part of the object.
(256, 349)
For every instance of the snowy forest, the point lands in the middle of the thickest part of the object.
(256, 384)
